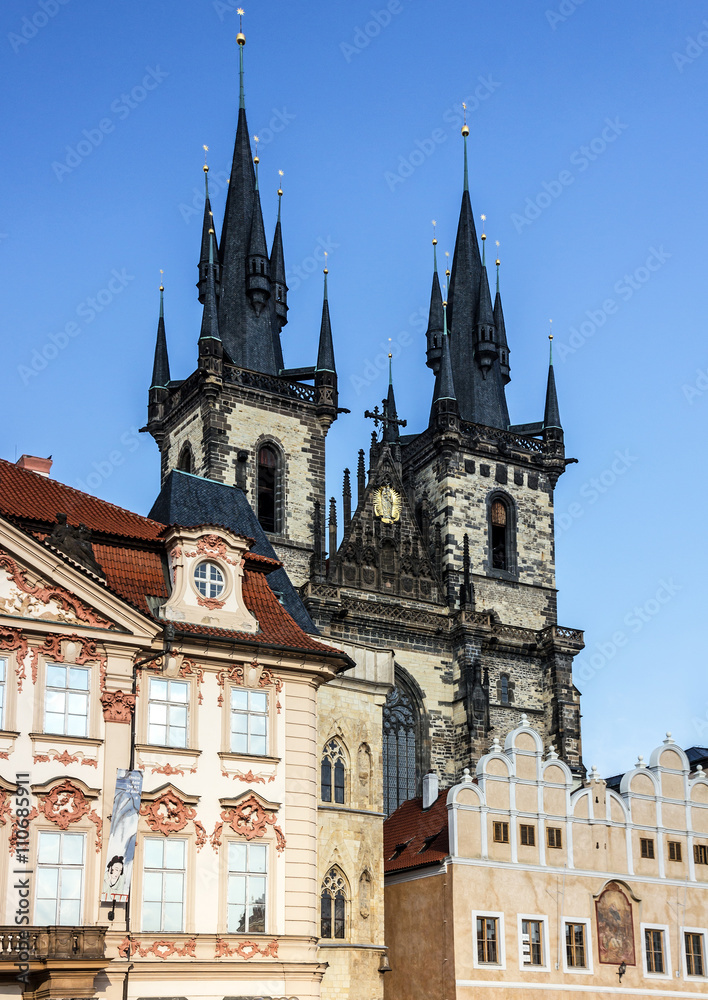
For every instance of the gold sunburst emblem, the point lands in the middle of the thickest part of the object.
(387, 504)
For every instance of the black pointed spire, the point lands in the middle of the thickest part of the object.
(551, 416)
(326, 394)
(444, 383)
(248, 330)
(500, 327)
(210, 318)
(207, 225)
(161, 365)
(391, 432)
(485, 347)
(435, 317)
(277, 269)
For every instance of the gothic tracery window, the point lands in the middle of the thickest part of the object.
(400, 728)
(333, 904)
(499, 535)
(332, 772)
(185, 462)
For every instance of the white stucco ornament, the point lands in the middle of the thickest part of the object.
(206, 573)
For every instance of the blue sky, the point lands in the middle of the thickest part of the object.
(587, 154)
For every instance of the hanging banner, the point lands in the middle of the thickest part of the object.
(121, 842)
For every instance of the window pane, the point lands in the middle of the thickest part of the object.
(239, 723)
(48, 848)
(259, 701)
(152, 887)
(326, 780)
(79, 678)
(72, 849)
(47, 883)
(54, 723)
(258, 745)
(76, 725)
(2, 669)
(258, 857)
(153, 852)
(178, 715)
(179, 691)
(258, 725)
(239, 743)
(56, 676)
(178, 737)
(239, 699)
(45, 911)
(157, 735)
(151, 916)
(174, 853)
(326, 915)
(70, 912)
(237, 889)
(237, 857)
(237, 919)
(172, 917)
(157, 714)
(78, 703)
(172, 887)
(55, 701)
(339, 917)
(71, 883)
(158, 689)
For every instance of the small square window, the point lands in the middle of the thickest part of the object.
(501, 832)
(554, 836)
(528, 835)
(675, 850)
(647, 847)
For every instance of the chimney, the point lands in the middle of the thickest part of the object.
(34, 464)
(430, 789)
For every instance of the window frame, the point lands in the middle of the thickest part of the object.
(501, 939)
(188, 703)
(557, 834)
(326, 760)
(587, 969)
(67, 689)
(702, 933)
(60, 865)
(346, 904)
(247, 874)
(647, 849)
(4, 691)
(700, 854)
(145, 870)
(503, 828)
(278, 485)
(666, 950)
(265, 692)
(542, 919)
(676, 847)
(523, 829)
(511, 570)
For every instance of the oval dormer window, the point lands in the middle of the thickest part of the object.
(209, 580)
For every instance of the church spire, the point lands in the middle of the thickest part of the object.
(277, 267)
(207, 224)
(391, 432)
(161, 364)
(551, 416)
(211, 349)
(501, 331)
(435, 315)
(326, 394)
(249, 331)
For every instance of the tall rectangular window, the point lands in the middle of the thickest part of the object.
(501, 832)
(488, 940)
(60, 872)
(693, 943)
(248, 865)
(168, 703)
(675, 850)
(66, 700)
(700, 854)
(554, 837)
(249, 721)
(528, 835)
(575, 946)
(532, 942)
(3, 681)
(654, 950)
(163, 884)
(647, 847)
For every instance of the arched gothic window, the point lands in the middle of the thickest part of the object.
(333, 905)
(401, 747)
(502, 534)
(499, 535)
(185, 462)
(269, 488)
(332, 772)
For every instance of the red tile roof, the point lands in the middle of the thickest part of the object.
(414, 837)
(132, 554)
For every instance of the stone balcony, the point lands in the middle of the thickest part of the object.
(58, 962)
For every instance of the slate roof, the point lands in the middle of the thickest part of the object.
(190, 500)
(414, 837)
(131, 551)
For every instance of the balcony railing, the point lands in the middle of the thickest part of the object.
(42, 944)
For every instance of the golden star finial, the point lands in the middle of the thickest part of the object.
(240, 12)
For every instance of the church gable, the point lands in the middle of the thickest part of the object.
(383, 549)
